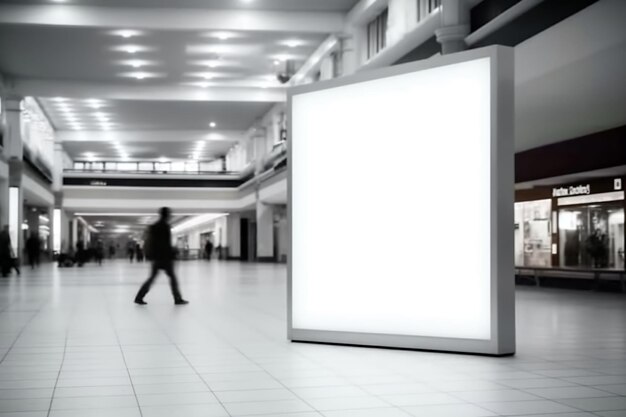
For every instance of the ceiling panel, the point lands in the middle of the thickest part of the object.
(152, 115)
(163, 57)
(288, 5)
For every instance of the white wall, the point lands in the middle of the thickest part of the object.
(258, 140)
(218, 227)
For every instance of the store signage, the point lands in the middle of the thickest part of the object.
(569, 191)
(98, 183)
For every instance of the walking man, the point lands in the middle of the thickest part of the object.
(159, 250)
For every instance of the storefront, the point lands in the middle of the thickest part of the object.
(578, 226)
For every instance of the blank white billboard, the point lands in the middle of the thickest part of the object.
(392, 207)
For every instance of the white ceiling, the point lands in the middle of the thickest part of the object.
(191, 58)
(152, 115)
(226, 77)
(287, 5)
(570, 79)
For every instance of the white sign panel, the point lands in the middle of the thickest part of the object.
(394, 184)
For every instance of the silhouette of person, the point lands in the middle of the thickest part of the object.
(139, 252)
(208, 249)
(131, 251)
(5, 251)
(80, 253)
(159, 250)
(33, 249)
(99, 252)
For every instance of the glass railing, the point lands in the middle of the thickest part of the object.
(150, 167)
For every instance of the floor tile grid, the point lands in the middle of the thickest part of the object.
(544, 400)
(322, 366)
(298, 396)
(173, 343)
(563, 401)
(19, 334)
(532, 356)
(260, 365)
(119, 345)
(56, 383)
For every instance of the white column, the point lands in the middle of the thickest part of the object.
(234, 238)
(327, 68)
(350, 56)
(4, 193)
(455, 26)
(259, 141)
(398, 21)
(14, 153)
(265, 232)
(57, 169)
(74, 240)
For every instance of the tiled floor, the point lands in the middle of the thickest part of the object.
(72, 343)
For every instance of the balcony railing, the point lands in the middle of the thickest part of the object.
(178, 168)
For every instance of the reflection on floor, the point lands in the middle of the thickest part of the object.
(72, 343)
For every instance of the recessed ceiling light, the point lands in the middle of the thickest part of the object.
(213, 124)
(292, 43)
(102, 116)
(276, 62)
(203, 85)
(126, 33)
(59, 99)
(223, 36)
(131, 49)
(163, 160)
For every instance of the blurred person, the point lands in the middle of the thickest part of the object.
(99, 252)
(131, 251)
(33, 249)
(5, 251)
(139, 251)
(208, 249)
(111, 251)
(80, 253)
(159, 250)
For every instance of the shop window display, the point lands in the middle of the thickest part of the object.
(592, 236)
(532, 233)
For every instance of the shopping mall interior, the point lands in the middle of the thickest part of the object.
(379, 208)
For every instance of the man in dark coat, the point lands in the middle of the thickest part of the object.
(33, 249)
(162, 255)
(5, 251)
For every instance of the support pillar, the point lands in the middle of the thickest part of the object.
(74, 240)
(4, 193)
(349, 58)
(233, 229)
(265, 232)
(14, 153)
(455, 26)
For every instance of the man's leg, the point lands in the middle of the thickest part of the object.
(169, 270)
(146, 285)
